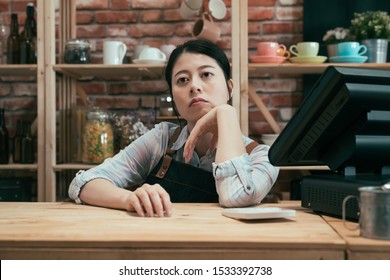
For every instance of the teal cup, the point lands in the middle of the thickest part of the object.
(351, 49)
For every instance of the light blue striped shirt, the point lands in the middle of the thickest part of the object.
(241, 181)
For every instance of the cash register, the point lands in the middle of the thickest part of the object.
(343, 123)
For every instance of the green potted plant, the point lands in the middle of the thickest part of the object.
(372, 28)
(334, 36)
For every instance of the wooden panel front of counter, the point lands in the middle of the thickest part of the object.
(358, 247)
(195, 231)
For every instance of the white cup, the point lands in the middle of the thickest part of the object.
(138, 49)
(152, 54)
(167, 49)
(190, 8)
(305, 49)
(114, 52)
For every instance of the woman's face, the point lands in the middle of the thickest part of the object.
(198, 85)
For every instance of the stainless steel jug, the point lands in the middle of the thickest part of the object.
(374, 204)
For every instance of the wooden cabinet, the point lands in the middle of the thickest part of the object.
(61, 84)
(37, 72)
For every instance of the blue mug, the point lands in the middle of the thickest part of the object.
(351, 49)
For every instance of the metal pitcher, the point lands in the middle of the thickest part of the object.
(374, 205)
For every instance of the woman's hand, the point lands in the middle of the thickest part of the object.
(223, 123)
(150, 200)
(147, 200)
(206, 124)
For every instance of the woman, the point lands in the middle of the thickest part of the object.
(198, 76)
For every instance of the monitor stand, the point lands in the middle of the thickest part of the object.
(325, 193)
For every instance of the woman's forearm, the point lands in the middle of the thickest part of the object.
(230, 143)
(101, 192)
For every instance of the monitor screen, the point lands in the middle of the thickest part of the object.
(343, 122)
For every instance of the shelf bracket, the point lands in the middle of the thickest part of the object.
(263, 110)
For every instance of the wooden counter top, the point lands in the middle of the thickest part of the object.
(358, 247)
(195, 231)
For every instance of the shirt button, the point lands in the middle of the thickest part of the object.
(248, 188)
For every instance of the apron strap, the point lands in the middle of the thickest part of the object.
(172, 140)
(249, 148)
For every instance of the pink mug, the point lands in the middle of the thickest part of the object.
(206, 29)
(272, 49)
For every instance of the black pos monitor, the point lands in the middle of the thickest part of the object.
(344, 123)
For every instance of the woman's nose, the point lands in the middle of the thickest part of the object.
(195, 86)
(195, 89)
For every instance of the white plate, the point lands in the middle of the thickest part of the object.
(217, 9)
(149, 61)
(254, 213)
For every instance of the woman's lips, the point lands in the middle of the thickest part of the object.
(196, 100)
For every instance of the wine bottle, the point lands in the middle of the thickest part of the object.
(4, 139)
(30, 19)
(27, 151)
(13, 44)
(27, 46)
(28, 38)
(18, 142)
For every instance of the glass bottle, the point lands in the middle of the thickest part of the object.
(27, 46)
(27, 147)
(4, 139)
(77, 52)
(18, 142)
(98, 138)
(28, 37)
(13, 47)
(30, 19)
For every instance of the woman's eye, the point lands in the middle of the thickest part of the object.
(182, 80)
(207, 74)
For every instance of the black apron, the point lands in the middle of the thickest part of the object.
(185, 182)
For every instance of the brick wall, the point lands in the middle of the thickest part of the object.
(157, 22)
(279, 21)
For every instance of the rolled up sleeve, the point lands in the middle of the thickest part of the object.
(79, 181)
(245, 180)
(130, 166)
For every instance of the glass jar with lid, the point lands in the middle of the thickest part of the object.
(98, 139)
(77, 51)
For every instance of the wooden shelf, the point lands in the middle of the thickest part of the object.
(108, 71)
(304, 68)
(14, 166)
(73, 166)
(18, 70)
(156, 70)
